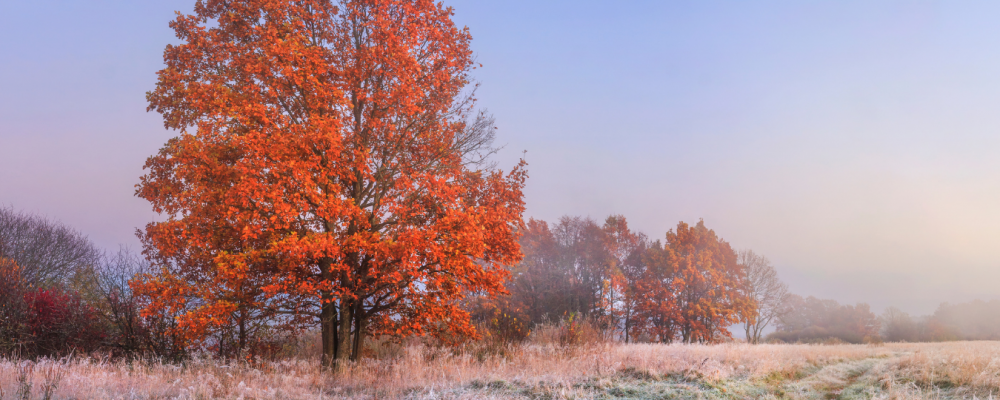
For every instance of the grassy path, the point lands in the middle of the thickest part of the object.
(846, 379)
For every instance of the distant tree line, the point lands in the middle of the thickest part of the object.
(975, 320)
(688, 288)
(814, 320)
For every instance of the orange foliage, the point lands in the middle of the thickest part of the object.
(657, 309)
(692, 287)
(324, 170)
(707, 282)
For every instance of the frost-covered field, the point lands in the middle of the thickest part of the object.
(606, 371)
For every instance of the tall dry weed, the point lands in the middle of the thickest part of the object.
(571, 331)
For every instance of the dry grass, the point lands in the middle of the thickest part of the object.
(602, 370)
(954, 369)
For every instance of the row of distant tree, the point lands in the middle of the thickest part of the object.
(688, 288)
(691, 288)
(814, 320)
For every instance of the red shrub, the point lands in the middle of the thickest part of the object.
(44, 321)
(59, 322)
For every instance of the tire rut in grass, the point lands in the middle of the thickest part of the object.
(842, 380)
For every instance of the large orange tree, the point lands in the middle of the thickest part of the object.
(329, 165)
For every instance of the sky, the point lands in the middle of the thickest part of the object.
(854, 143)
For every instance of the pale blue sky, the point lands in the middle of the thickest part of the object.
(854, 143)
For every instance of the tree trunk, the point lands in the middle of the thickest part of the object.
(328, 325)
(328, 316)
(343, 347)
(360, 320)
(626, 327)
(241, 345)
(756, 333)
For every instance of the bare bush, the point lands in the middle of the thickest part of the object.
(572, 331)
(132, 334)
(766, 291)
(47, 251)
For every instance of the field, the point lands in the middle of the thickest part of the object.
(602, 371)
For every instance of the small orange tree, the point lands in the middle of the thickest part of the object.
(329, 165)
(625, 266)
(656, 312)
(707, 283)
